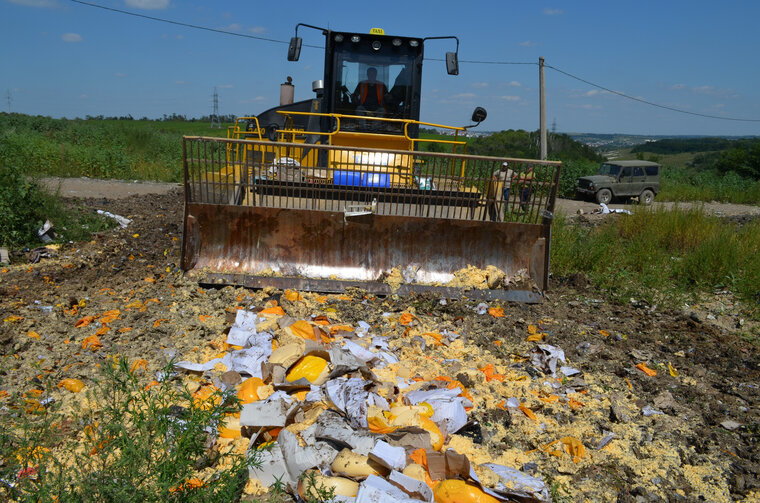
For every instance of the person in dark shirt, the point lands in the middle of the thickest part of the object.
(370, 94)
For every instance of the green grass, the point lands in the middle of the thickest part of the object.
(683, 184)
(24, 207)
(137, 444)
(111, 149)
(662, 256)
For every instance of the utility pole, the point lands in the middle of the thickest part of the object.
(8, 97)
(542, 110)
(215, 115)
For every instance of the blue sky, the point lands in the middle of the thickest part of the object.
(65, 59)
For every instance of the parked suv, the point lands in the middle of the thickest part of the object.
(621, 179)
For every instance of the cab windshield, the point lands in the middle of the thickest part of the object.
(374, 84)
(609, 170)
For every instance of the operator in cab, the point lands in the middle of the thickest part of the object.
(369, 95)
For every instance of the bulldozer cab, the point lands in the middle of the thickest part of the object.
(339, 191)
(373, 75)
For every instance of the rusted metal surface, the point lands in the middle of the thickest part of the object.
(309, 219)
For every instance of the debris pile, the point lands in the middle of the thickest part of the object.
(344, 408)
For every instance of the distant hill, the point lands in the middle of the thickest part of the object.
(615, 141)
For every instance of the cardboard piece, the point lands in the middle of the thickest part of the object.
(448, 465)
(410, 438)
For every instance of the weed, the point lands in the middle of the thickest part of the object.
(136, 444)
(313, 490)
(559, 493)
(661, 256)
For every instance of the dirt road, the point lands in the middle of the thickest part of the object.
(117, 189)
(665, 406)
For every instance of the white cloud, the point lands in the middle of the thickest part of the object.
(592, 92)
(257, 99)
(528, 43)
(71, 37)
(148, 4)
(514, 83)
(225, 86)
(180, 37)
(83, 96)
(585, 107)
(36, 3)
(258, 29)
(552, 12)
(463, 96)
(179, 82)
(120, 75)
(509, 98)
(677, 87)
(479, 85)
(705, 90)
(233, 27)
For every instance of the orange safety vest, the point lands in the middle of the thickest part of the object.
(365, 89)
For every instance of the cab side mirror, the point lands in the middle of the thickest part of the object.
(294, 48)
(452, 63)
(479, 115)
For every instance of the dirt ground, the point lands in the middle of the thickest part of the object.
(688, 433)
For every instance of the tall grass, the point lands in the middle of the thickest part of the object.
(114, 149)
(683, 184)
(662, 255)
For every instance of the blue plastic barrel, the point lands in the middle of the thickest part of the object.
(351, 178)
(375, 180)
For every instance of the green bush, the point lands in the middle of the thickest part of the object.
(20, 202)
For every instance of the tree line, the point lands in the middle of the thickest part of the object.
(740, 156)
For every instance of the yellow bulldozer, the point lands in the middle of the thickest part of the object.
(340, 191)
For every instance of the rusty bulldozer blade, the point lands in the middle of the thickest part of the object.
(324, 218)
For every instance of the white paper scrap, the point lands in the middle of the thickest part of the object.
(512, 480)
(123, 221)
(349, 396)
(378, 490)
(393, 457)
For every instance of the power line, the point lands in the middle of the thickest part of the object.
(478, 62)
(197, 27)
(672, 109)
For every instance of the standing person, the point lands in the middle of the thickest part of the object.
(525, 181)
(501, 182)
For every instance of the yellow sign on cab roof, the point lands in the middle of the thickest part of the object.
(376, 31)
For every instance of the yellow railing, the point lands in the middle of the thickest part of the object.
(406, 123)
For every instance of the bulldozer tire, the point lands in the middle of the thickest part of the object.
(604, 196)
(646, 197)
